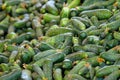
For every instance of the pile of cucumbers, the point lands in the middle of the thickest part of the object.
(59, 39)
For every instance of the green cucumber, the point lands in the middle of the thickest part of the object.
(106, 70)
(99, 13)
(13, 75)
(56, 31)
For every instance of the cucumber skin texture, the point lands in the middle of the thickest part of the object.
(74, 3)
(76, 68)
(49, 17)
(3, 59)
(116, 35)
(99, 13)
(74, 77)
(56, 31)
(54, 58)
(106, 70)
(43, 54)
(47, 68)
(113, 76)
(57, 74)
(65, 12)
(14, 75)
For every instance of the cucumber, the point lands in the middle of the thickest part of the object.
(3, 59)
(79, 55)
(99, 13)
(57, 74)
(56, 31)
(21, 11)
(74, 3)
(64, 22)
(67, 64)
(22, 23)
(13, 75)
(106, 70)
(22, 37)
(113, 76)
(38, 70)
(4, 67)
(78, 24)
(116, 35)
(110, 55)
(13, 56)
(44, 54)
(65, 12)
(57, 57)
(47, 69)
(4, 24)
(2, 15)
(74, 77)
(51, 8)
(49, 17)
(26, 75)
(45, 46)
(77, 67)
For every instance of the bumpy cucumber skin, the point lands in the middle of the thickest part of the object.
(106, 70)
(99, 13)
(14, 75)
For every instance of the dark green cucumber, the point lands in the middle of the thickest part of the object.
(95, 5)
(114, 25)
(99, 13)
(45, 46)
(27, 55)
(77, 67)
(13, 75)
(44, 54)
(57, 57)
(55, 41)
(2, 46)
(110, 55)
(95, 21)
(95, 61)
(79, 55)
(2, 15)
(47, 69)
(67, 64)
(74, 77)
(113, 76)
(3, 59)
(22, 37)
(106, 70)
(93, 48)
(4, 24)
